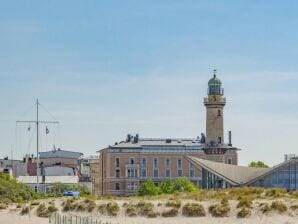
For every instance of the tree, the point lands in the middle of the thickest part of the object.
(258, 164)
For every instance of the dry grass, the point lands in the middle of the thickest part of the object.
(170, 213)
(244, 212)
(265, 208)
(279, 206)
(174, 204)
(220, 210)
(244, 203)
(25, 210)
(193, 210)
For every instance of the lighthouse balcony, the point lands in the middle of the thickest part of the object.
(214, 100)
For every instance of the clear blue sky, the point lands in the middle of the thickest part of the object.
(108, 68)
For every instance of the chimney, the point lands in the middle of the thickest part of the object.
(230, 138)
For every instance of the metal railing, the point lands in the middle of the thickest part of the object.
(56, 218)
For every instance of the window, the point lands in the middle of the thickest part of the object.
(117, 186)
(117, 173)
(131, 160)
(219, 113)
(219, 139)
(229, 161)
(179, 173)
(144, 162)
(144, 172)
(117, 162)
(155, 163)
(168, 163)
(155, 173)
(132, 186)
(191, 173)
(179, 163)
(168, 173)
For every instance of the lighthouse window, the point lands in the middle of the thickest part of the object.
(219, 113)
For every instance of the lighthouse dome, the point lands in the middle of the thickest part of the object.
(214, 81)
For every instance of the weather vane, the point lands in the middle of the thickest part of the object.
(214, 72)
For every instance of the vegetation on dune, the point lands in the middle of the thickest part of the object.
(279, 206)
(258, 164)
(244, 212)
(170, 212)
(193, 210)
(141, 208)
(181, 184)
(220, 210)
(111, 209)
(174, 204)
(25, 210)
(244, 202)
(14, 191)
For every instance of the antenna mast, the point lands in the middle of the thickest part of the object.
(37, 122)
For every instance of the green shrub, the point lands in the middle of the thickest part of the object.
(170, 213)
(112, 208)
(279, 206)
(174, 204)
(244, 212)
(148, 188)
(168, 187)
(265, 208)
(25, 210)
(193, 210)
(183, 184)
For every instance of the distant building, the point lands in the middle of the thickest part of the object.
(85, 167)
(219, 175)
(125, 165)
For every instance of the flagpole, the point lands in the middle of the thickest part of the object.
(37, 145)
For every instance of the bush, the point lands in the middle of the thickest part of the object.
(148, 188)
(170, 213)
(279, 206)
(174, 203)
(25, 210)
(168, 187)
(183, 184)
(145, 208)
(193, 210)
(152, 214)
(265, 208)
(69, 205)
(244, 212)
(34, 203)
(113, 208)
(42, 211)
(220, 210)
(131, 210)
(244, 203)
(52, 208)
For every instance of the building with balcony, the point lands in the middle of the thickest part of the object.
(125, 165)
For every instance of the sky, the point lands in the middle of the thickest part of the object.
(104, 69)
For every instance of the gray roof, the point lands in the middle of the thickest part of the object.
(235, 175)
(60, 154)
(158, 142)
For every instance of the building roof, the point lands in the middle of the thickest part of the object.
(235, 175)
(60, 154)
(156, 142)
(49, 179)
